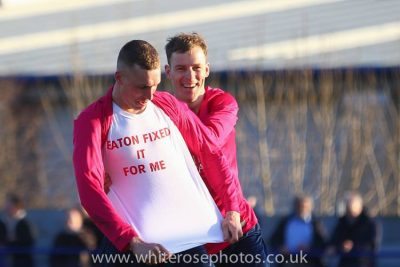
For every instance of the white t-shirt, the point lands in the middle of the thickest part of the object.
(156, 187)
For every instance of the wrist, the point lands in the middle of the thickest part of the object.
(232, 215)
(134, 241)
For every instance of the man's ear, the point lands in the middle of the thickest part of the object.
(118, 77)
(207, 69)
(167, 69)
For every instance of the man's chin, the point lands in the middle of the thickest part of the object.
(184, 97)
(141, 107)
(190, 95)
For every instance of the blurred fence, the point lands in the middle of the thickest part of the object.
(315, 131)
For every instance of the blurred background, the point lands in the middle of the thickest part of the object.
(317, 82)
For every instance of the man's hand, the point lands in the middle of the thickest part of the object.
(152, 253)
(347, 245)
(231, 227)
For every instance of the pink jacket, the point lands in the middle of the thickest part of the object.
(218, 110)
(90, 133)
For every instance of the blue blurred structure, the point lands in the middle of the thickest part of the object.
(49, 222)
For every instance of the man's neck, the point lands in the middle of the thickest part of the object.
(195, 105)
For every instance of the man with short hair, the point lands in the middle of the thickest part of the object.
(70, 245)
(20, 238)
(300, 233)
(356, 235)
(187, 70)
(157, 203)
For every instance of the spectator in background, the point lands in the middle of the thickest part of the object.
(19, 235)
(69, 247)
(300, 233)
(93, 235)
(356, 235)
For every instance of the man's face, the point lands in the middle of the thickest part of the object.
(187, 73)
(305, 208)
(137, 86)
(354, 206)
(74, 220)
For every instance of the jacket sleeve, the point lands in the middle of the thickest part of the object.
(205, 144)
(210, 134)
(89, 173)
(222, 117)
(221, 120)
(219, 177)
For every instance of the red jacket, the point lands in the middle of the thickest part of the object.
(90, 133)
(218, 110)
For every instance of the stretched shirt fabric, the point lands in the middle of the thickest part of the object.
(90, 136)
(218, 111)
(156, 186)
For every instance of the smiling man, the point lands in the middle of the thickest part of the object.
(187, 70)
(157, 204)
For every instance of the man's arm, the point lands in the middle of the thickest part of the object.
(221, 115)
(205, 142)
(210, 134)
(89, 173)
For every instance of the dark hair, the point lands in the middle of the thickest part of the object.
(138, 52)
(298, 199)
(15, 200)
(183, 42)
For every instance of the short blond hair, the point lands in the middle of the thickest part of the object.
(183, 42)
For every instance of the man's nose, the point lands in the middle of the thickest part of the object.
(148, 94)
(190, 75)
